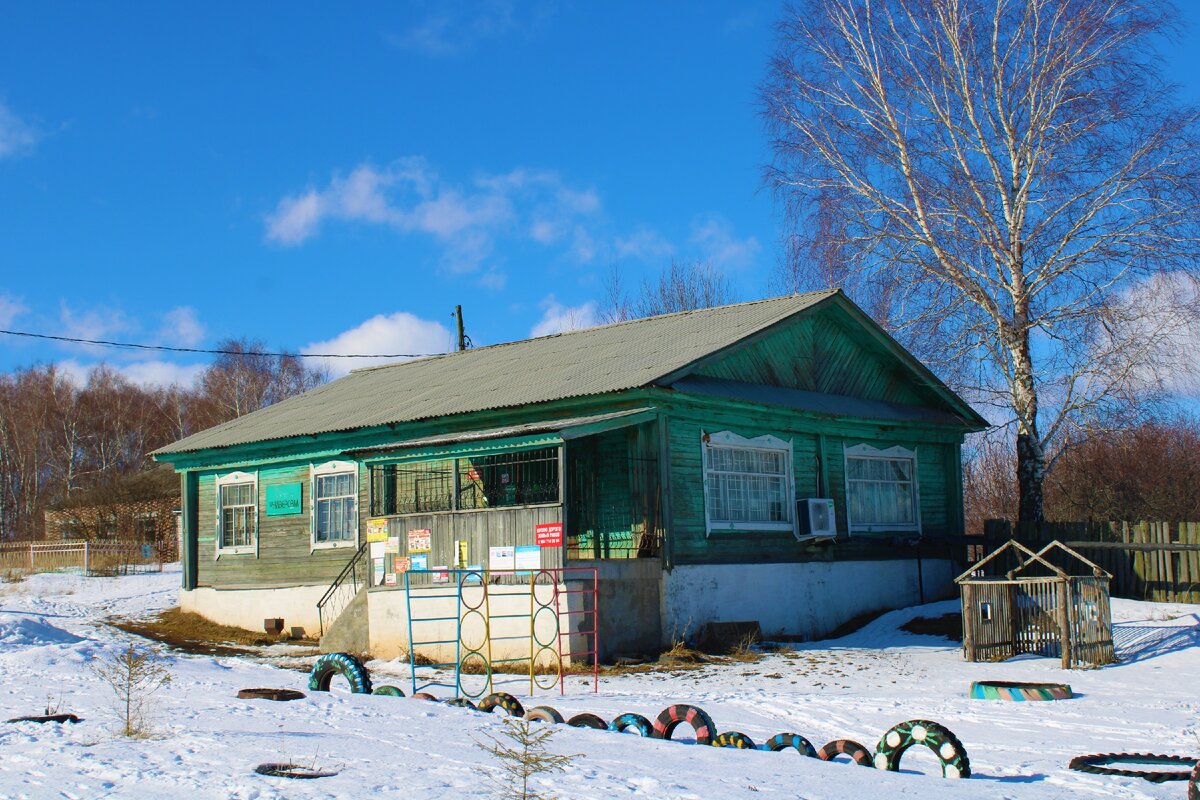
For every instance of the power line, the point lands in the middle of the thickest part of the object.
(166, 349)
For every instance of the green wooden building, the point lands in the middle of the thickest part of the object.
(691, 458)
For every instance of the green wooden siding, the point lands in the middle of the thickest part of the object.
(284, 553)
(820, 352)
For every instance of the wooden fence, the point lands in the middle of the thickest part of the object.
(1148, 560)
(89, 558)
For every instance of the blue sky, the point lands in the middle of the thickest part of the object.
(337, 182)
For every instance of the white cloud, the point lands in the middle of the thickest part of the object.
(644, 244)
(182, 327)
(557, 317)
(16, 135)
(384, 333)
(456, 27)
(10, 309)
(96, 323)
(465, 221)
(1157, 322)
(714, 238)
(149, 374)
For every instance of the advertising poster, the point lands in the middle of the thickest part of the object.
(377, 530)
(441, 574)
(389, 579)
(461, 550)
(392, 545)
(420, 540)
(502, 559)
(528, 557)
(377, 569)
(400, 564)
(419, 561)
(548, 534)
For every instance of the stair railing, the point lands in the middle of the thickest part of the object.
(347, 579)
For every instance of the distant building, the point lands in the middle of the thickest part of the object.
(141, 509)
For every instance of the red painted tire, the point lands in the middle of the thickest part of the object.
(424, 696)
(681, 713)
(846, 747)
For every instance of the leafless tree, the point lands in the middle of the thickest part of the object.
(1021, 178)
(247, 379)
(682, 286)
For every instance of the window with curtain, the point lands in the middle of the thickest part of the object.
(748, 483)
(881, 489)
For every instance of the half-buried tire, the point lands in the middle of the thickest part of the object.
(682, 714)
(344, 664)
(587, 721)
(944, 744)
(734, 739)
(789, 741)
(389, 691)
(846, 747)
(642, 725)
(502, 700)
(544, 714)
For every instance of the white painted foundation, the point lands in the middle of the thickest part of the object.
(807, 600)
(247, 608)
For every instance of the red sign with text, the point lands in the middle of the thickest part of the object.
(548, 534)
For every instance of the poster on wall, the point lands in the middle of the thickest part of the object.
(377, 549)
(400, 564)
(441, 574)
(377, 530)
(548, 534)
(389, 579)
(502, 559)
(420, 540)
(420, 561)
(392, 545)
(461, 553)
(377, 570)
(528, 557)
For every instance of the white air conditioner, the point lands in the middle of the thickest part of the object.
(817, 520)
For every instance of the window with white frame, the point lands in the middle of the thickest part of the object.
(748, 483)
(882, 489)
(237, 513)
(335, 504)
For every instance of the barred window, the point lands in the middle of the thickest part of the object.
(524, 477)
(748, 483)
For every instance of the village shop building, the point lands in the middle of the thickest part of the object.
(691, 459)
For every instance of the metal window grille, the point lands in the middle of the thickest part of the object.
(748, 485)
(412, 488)
(524, 477)
(239, 514)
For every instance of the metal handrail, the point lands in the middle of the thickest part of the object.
(351, 570)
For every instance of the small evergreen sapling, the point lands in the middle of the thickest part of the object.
(134, 674)
(525, 758)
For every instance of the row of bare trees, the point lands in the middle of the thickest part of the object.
(59, 438)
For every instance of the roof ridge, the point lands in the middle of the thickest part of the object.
(639, 320)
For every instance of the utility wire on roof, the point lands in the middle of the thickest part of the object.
(164, 348)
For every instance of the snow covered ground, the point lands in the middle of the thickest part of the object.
(208, 741)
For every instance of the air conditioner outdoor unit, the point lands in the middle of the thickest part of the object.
(817, 520)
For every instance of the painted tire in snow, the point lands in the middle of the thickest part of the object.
(1020, 692)
(789, 741)
(587, 721)
(544, 714)
(503, 700)
(344, 664)
(461, 702)
(846, 747)
(1194, 783)
(644, 727)
(1099, 765)
(734, 739)
(944, 744)
(390, 691)
(424, 696)
(681, 713)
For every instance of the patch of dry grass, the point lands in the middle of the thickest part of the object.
(193, 633)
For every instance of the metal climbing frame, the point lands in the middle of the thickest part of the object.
(557, 598)
(587, 629)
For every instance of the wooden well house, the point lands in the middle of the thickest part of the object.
(1052, 603)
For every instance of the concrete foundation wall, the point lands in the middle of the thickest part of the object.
(629, 598)
(807, 600)
(247, 608)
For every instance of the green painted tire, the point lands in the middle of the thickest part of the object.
(544, 714)
(389, 691)
(643, 726)
(734, 739)
(944, 744)
(344, 664)
(789, 741)
(502, 700)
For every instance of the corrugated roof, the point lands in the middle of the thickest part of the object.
(592, 361)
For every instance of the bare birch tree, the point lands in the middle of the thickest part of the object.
(1020, 178)
(682, 286)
